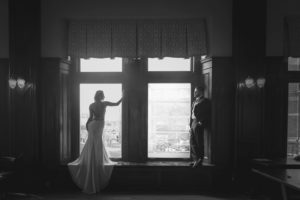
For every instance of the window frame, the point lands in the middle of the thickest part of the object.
(292, 76)
(132, 67)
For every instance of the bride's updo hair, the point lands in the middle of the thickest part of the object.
(99, 95)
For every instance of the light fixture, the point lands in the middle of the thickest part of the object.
(260, 82)
(249, 82)
(21, 82)
(12, 83)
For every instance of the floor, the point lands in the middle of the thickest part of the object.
(136, 197)
(131, 196)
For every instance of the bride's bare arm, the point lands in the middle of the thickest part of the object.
(108, 103)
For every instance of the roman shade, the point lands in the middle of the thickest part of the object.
(137, 38)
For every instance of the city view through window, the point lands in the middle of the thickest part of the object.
(293, 136)
(293, 119)
(168, 120)
(112, 133)
(169, 107)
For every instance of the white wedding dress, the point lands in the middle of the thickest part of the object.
(92, 170)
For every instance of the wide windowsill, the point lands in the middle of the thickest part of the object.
(159, 164)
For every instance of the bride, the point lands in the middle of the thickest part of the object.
(92, 170)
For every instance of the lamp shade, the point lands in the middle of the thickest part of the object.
(249, 82)
(12, 83)
(21, 83)
(260, 82)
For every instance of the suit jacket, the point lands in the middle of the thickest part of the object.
(202, 112)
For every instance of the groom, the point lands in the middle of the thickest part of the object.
(200, 120)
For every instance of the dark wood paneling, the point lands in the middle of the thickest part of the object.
(219, 78)
(276, 98)
(55, 112)
(223, 99)
(249, 38)
(24, 50)
(4, 115)
(161, 178)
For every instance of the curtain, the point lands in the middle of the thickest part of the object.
(292, 36)
(137, 38)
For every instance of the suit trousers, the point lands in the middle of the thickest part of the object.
(196, 141)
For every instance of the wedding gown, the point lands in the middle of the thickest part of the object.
(92, 170)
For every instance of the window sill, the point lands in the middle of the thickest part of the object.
(159, 164)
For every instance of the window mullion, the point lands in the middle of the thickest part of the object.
(135, 132)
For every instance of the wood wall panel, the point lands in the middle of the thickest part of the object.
(276, 98)
(4, 115)
(55, 112)
(249, 38)
(221, 84)
(24, 52)
(223, 90)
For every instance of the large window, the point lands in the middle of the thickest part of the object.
(169, 64)
(153, 120)
(168, 120)
(112, 133)
(293, 64)
(293, 119)
(293, 140)
(101, 65)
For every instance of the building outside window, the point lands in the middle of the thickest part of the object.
(293, 111)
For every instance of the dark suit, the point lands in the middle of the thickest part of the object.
(201, 112)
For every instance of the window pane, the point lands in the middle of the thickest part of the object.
(168, 120)
(293, 119)
(169, 64)
(112, 134)
(293, 64)
(101, 65)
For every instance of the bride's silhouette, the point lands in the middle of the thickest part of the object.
(92, 170)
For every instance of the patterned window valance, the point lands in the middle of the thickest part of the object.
(137, 38)
(292, 36)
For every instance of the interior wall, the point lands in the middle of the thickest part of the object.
(276, 11)
(4, 38)
(55, 14)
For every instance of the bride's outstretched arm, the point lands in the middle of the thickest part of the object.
(108, 103)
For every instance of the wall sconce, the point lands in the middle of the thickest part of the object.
(12, 83)
(260, 82)
(20, 82)
(251, 82)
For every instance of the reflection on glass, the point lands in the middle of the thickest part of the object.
(168, 120)
(101, 65)
(293, 119)
(293, 64)
(112, 134)
(169, 64)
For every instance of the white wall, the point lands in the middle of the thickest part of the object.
(55, 13)
(277, 10)
(4, 29)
